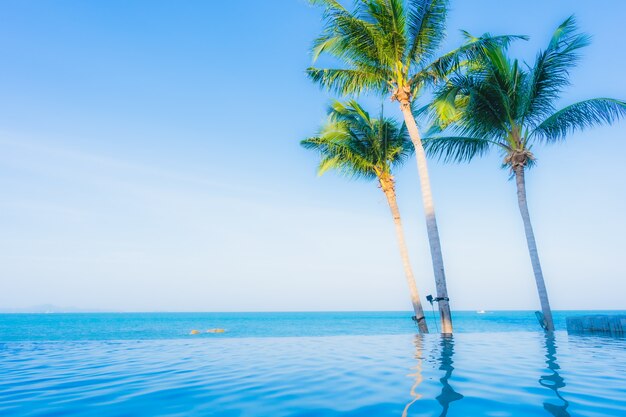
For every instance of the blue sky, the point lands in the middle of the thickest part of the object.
(149, 160)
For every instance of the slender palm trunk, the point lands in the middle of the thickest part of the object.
(431, 220)
(386, 184)
(532, 247)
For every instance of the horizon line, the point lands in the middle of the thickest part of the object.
(283, 311)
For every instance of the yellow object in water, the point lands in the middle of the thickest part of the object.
(216, 331)
(195, 332)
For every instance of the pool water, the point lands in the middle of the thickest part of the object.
(518, 373)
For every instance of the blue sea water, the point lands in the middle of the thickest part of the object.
(304, 364)
(144, 326)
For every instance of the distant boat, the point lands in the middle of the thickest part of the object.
(481, 312)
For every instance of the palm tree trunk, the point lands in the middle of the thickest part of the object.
(431, 220)
(386, 184)
(532, 247)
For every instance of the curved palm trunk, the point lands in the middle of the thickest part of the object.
(532, 247)
(386, 184)
(431, 220)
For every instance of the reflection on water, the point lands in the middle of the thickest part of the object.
(499, 375)
(553, 381)
(417, 375)
(445, 361)
(448, 394)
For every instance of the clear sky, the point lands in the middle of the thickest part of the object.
(149, 160)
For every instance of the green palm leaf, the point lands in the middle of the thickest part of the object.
(471, 51)
(347, 81)
(550, 73)
(500, 101)
(579, 116)
(425, 29)
(456, 148)
(385, 45)
(357, 145)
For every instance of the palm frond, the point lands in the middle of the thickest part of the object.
(327, 163)
(425, 28)
(389, 18)
(550, 72)
(347, 36)
(330, 4)
(493, 101)
(475, 104)
(579, 116)
(350, 111)
(347, 81)
(473, 49)
(456, 148)
(357, 145)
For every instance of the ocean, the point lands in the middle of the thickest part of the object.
(304, 364)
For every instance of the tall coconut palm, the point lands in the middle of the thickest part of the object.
(498, 103)
(389, 47)
(357, 145)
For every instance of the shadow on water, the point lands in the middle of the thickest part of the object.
(553, 381)
(445, 361)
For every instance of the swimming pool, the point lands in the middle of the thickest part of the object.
(469, 374)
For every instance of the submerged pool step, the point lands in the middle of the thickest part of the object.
(614, 325)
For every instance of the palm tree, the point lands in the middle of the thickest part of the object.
(498, 103)
(357, 145)
(388, 47)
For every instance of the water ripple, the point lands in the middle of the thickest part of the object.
(489, 374)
